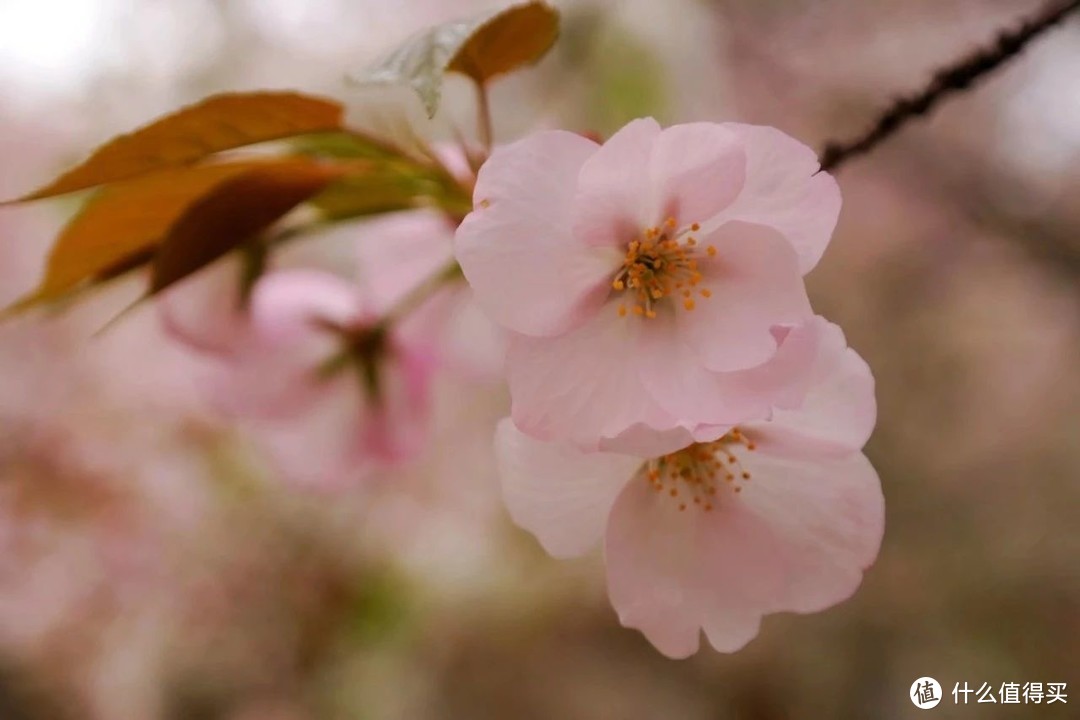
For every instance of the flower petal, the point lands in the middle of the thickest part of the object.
(672, 572)
(323, 449)
(674, 375)
(697, 170)
(651, 569)
(839, 411)
(463, 339)
(395, 424)
(755, 284)
(582, 387)
(785, 190)
(614, 188)
(274, 372)
(516, 248)
(557, 492)
(641, 440)
(205, 311)
(827, 517)
(397, 252)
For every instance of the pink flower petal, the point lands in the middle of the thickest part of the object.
(557, 492)
(275, 371)
(345, 433)
(614, 188)
(671, 572)
(205, 312)
(839, 411)
(323, 449)
(755, 285)
(582, 387)
(397, 252)
(827, 517)
(784, 190)
(290, 304)
(650, 570)
(697, 170)
(395, 424)
(461, 337)
(516, 250)
(796, 538)
(675, 377)
(644, 441)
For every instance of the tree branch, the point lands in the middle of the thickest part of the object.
(950, 79)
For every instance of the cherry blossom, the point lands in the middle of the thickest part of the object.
(401, 252)
(206, 312)
(640, 277)
(767, 516)
(328, 388)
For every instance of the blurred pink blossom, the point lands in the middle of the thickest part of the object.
(397, 254)
(205, 312)
(768, 517)
(649, 282)
(327, 388)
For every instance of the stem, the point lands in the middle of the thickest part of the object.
(419, 294)
(953, 78)
(483, 107)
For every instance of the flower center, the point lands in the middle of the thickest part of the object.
(693, 476)
(662, 264)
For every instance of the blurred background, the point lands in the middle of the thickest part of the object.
(152, 568)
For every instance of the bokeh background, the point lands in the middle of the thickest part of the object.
(152, 567)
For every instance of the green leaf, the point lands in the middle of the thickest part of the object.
(481, 47)
(388, 189)
(347, 145)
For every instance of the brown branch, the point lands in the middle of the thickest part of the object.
(950, 79)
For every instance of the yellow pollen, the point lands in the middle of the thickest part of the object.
(695, 227)
(711, 251)
(659, 264)
(694, 475)
(706, 293)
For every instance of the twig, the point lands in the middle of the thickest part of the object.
(483, 109)
(950, 79)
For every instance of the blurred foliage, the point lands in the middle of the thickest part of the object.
(626, 81)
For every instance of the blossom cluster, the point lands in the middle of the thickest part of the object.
(673, 395)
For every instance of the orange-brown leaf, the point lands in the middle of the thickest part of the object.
(481, 47)
(218, 123)
(235, 212)
(518, 36)
(123, 223)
